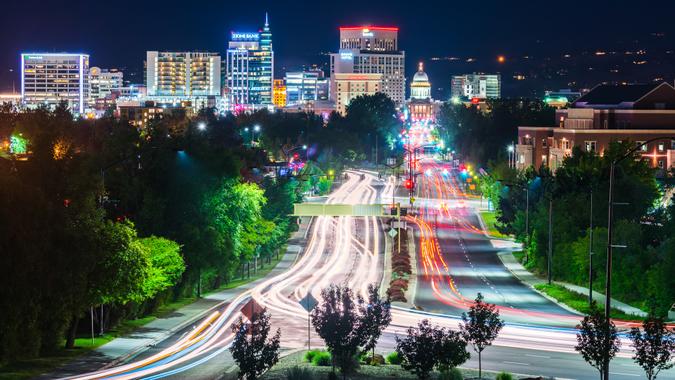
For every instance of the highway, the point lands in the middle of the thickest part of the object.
(349, 250)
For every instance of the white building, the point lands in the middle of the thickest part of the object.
(350, 86)
(51, 78)
(183, 74)
(371, 50)
(304, 86)
(104, 82)
(476, 86)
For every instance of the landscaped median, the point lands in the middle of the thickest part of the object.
(297, 366)
(401, 269)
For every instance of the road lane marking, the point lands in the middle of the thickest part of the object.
(517, 363)
(538, 356)
(624, 374)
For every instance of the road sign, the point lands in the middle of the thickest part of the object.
(309, 302)
(251, 307)
(392, 232)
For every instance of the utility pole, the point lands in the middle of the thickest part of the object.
(550, 238)
(527, 222)
(590, 255)
(608, 270)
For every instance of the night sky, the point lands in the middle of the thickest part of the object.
(117, 33)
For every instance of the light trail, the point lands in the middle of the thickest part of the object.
(341, 250)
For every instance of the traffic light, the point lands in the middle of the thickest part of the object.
(408, 184)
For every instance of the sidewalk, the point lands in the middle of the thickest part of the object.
(530, 279)
(125, 348)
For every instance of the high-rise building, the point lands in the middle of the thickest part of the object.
(371, 50)
(183, 74)
(250, 69)
(304, 86)
(103, 82)
(51, 78)
(280, 97)
(350, 86)
(476, 86)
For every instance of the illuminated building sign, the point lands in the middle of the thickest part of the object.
(34, 57)
(366, 32)
(346, 55)
(236, 36)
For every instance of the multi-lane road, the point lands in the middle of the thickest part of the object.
(457, 261)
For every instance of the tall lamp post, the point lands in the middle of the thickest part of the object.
(610, 245)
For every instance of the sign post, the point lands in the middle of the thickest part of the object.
(308, 303)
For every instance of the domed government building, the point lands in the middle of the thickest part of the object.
(420, 105)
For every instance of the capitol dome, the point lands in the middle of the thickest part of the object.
(420, 88)
(421, 76)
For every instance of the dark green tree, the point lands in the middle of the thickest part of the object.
(654, 346)
(338, 322)
(376, 315)
(481, 327)
(592, 340)
(417, 349)
(253, 349)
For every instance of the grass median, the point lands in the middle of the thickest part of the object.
(579, 302)
(490, 220)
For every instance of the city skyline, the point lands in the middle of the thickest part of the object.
(465, 47)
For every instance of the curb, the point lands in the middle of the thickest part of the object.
(555, 301)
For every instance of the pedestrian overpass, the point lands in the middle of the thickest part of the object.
(338, 209)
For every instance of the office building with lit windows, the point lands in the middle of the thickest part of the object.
(371, 50)
(183, 74)
(279, 97)
(476, 86)
(249, 69)
(51, 78)
(304, 86)
(642, 114)
(103, 83)
(350, 86)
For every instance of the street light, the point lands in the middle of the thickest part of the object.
(201, 126)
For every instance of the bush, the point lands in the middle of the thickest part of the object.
(452, 374)
(394, 358)
(379, 359)
(322, 359)
(299, 373)
(309, 355)
(504, 376)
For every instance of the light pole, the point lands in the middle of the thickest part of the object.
(590, 255)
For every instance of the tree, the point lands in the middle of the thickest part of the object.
(166, 265)
(417, 349)
(653, 347)
(426, 347)
(451, 350)
(376, 317)
(592, 340)
(251, 348)
(481, 326)
(337, 321)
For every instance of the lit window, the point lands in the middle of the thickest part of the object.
(662, 147)
(591, 146)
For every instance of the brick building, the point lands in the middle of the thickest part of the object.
(607, 113)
